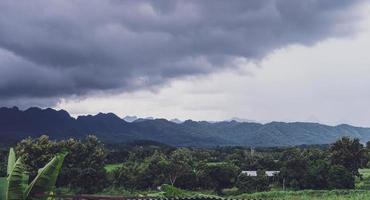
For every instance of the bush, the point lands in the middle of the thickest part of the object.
(171, 191)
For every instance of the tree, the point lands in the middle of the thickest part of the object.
(156, 169)
(365, 161)
(84, 165)
(316, 176)
(180, 162)
(132, 175)
(3, 159)
(220, 175)
(368, 145)
(250, 184)
(348, 153)
(36, 152)
(294, 168)
(84, 169)
(340, 178)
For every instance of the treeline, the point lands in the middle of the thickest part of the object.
(147, 165)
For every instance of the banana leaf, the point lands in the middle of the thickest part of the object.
(11, 161)
(44, 182)
(16, 181)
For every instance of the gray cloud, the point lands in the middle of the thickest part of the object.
(53, 49)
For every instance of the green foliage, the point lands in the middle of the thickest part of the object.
(131, 176)
(154, 170)
(216, 169)
(250, 184)
(348, 153)
(112, 167)
(3, 187)
(44, 182)
(83, 167)
(3, 162)
(363, 182)
(16, 181)
(340, 178)
(11, 161)
(156, 167)
(309, 195)
(314, 169)
(219, 176)
(294, 168)
(188, 180)
(171, 191)
(16, 185)
(180, 162)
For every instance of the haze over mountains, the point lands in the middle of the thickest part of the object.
(16, 124)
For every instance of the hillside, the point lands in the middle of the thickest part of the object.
(16, 124)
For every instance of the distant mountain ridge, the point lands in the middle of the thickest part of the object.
(16, 124)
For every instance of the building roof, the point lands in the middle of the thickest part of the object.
(254, 173)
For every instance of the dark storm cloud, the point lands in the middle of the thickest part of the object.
(52, 49)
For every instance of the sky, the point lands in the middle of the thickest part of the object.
(260, 60)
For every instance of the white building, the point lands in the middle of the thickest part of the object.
(254, 173)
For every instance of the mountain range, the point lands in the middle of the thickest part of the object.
(16, 124)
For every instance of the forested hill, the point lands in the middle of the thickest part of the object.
(16, 124)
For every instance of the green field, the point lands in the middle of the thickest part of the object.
(111, 167)
(309, 195)
(364, 183)
(275, 195)
(365, 172)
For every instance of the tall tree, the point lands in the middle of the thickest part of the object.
(180, 162)
(348, 153)
(221, 175)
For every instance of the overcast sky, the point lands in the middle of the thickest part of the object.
(262, 60)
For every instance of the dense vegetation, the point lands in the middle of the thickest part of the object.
(91, 167)
(17, 185)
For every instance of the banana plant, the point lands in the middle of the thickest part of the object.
(11, 161)
(17, 187)
(44, 183)
(16, 181)
(4, 180)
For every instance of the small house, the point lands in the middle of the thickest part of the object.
(254, 173)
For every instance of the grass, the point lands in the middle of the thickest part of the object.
(365, 172)
(364, 183)
(271, 195)
(309, 195)
(111, 167)
(362, 191)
